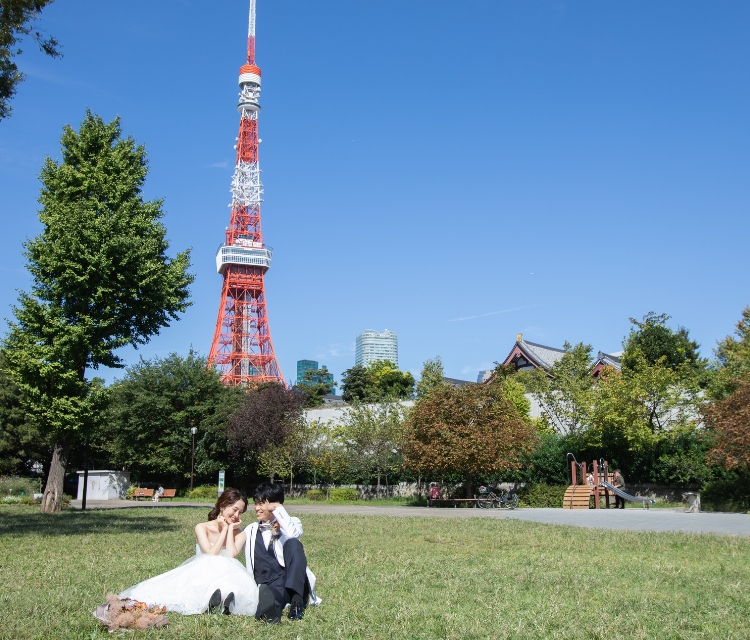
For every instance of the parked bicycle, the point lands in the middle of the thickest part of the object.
(493, 496)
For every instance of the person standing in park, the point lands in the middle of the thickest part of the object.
(619, 482)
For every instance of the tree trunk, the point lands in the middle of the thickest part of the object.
(467, 493)
(378, 491)
(53, 492)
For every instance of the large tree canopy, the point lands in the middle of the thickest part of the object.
(471, 429)
(16, 17)
(729, 422)
(155, 406)
(101, 280)
(653, 341)
(733, 358)
(380, 380)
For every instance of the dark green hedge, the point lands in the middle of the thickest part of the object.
(542, 495)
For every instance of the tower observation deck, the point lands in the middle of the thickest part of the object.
(242, 349)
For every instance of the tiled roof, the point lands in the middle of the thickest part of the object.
(607, 359)
(455, 382)
(541, 354)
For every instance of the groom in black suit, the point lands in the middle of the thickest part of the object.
(277, 558)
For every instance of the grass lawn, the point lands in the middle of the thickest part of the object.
(383, 577)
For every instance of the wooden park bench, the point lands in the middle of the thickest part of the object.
(169, 493)
(455, 501)
(143, 493)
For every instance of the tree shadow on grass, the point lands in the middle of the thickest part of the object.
(67, 523)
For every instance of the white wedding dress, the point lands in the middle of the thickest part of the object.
(188, 588)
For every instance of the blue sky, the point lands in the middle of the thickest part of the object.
(458, 172)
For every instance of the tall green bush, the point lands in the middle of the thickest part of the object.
(542, 496)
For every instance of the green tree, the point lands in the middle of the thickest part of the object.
(378, 381)
(315, 385)
(155, 406)
(101, 280)
(290, 454)
(469, 429)
(513, 387)
(641, 413)
(356, 384)
(16, 17)
(372, 435)
(432, 376)
(326, 454)
(21, 443)
(653, 341)
(389, 382)
(565, 392)
(732, 359)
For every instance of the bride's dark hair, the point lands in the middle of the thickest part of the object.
(230, 496)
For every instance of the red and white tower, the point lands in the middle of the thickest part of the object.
(242, 348)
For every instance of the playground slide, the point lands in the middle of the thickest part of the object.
(626, 496)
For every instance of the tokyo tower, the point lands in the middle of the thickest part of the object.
(242, 349)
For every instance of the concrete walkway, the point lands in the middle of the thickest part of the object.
(634, 519)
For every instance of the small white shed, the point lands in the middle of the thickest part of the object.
(104, 485)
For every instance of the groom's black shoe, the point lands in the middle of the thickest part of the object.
(214, 604)
(228, 604)
(297, 608)
(267, 610)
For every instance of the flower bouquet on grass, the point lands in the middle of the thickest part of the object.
(129, 614)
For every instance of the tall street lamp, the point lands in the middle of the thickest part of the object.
(192, 463)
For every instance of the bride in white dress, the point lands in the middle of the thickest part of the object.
(212, 580)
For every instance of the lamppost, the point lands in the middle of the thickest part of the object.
(192, 463)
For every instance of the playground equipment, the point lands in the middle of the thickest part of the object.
(597, 483)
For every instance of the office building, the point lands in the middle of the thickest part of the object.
(303, 366)
(373, 345)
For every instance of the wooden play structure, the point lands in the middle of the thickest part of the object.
(597, 483)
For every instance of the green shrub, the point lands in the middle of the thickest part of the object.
(19, 499)
(340, 495)
(542, 495)
(130, 492)
(315, 494)
(727, 494)
(17, 486)
(205, 491)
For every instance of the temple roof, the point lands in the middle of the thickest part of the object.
(605, 360)
(455, 382)
(526, 354)
(545, 356)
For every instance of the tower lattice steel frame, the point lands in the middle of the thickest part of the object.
(242, 348)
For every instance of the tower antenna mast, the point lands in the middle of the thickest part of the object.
(242, 349)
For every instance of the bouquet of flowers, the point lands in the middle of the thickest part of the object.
(129, 614)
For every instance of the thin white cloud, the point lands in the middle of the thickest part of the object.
(475, 369)
(491, 313)
(335, 351)
(219, 165)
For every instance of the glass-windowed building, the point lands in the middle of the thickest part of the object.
(303, 366)
(374, 345)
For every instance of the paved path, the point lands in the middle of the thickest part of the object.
(626, 519)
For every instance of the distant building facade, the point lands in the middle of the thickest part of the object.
(374, 345)
(303, 366)
(485, 375)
